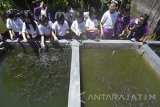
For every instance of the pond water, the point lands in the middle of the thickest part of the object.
(28, 80)
(117, 78)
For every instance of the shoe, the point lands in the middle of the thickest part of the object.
(133, 39)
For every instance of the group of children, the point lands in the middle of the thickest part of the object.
(39, 25)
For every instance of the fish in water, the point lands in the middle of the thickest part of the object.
(113, 52)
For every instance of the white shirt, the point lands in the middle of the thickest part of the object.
(31, 31)
(86, 15)
(91, 23)
(15, 25)
(108, 20)
(45, 30)
(60, 29)
(78, 27)
(44, 12)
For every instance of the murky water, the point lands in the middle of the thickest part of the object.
(117, 78)
(27, 80)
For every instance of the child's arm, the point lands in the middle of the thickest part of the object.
(24, 36)
(42, 41)
(73, 29)
(1, 37)
(42, 36)
(24, 32)
(76, 32)
(54, 36)
(9, 27)
(132, 28)
(67, 29)
(146, 34)
(101, 30)
(11, 33)
(91, 29)
(144, 40)
(67, 32)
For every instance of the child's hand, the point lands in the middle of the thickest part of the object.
(34, 36)
(12, 36)
(67, 32)
(141, 43)
(1, 36)
(101, 35)
(55, 38)
(41, 4)
(42, 45)
(20, 33)
(78, 33)
(97, 30)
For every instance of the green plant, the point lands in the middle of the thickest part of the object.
(103, 2)
(4, 5)
(62, 3)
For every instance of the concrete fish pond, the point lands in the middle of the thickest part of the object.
(28, 80)
(105, 73)
(119, 75)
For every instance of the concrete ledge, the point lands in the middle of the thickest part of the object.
(125, 44)
(74, 98)
(152, 58)
(48, 42)
(14, 41)
(109, 41)
(153, 42)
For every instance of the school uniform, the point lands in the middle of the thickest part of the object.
(93, 24)
(31, 31)
(139, 31)
(122, 22)
(46, 30)
(15, 26)
(37, 12)
(61, 29)
(108, 21)
(78, 27)
(40, 11)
